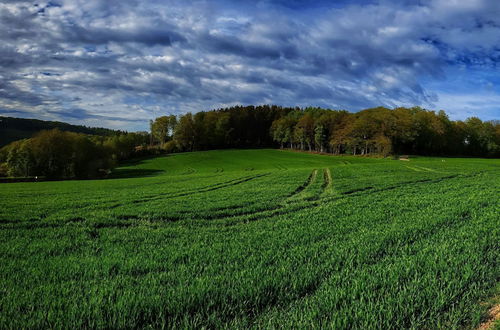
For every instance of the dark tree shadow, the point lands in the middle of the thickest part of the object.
(132, 173)
(123, 172)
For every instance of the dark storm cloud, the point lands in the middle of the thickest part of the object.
(103, 36)
(89, 60)
(11, 92)
(82, 114)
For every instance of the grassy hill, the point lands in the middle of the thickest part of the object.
(254, 238)
(213, 161)
(12, 129)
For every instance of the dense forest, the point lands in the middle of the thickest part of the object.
(58, 154)
(13, 129)
(377, 131)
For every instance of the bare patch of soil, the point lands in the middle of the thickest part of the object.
(493, 316)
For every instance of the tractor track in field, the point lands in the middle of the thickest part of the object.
(310, 179)
(372, 190)
(165, 196)
(389, 248)
(35, 223)
(233, 182)
(286, 206)
(427, 169)
(241, 217)
(413, 168)
(375, 190)
(327, 179)
(207, 186)
(280, 205)
(285, 203)
(178, 180)
(383, 252)
(229, 184)
(280, 167)
(315, 201)
(171, 194)
(188, 171)
(150, 218)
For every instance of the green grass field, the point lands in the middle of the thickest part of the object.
(254, 238)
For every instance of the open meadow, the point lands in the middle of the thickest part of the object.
(254, 238)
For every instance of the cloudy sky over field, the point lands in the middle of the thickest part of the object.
(118, 63)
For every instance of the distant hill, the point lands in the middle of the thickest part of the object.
(12, 129)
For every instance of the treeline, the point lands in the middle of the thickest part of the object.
(379, 131)
(13, 129)
(235, 127)
(58, 154)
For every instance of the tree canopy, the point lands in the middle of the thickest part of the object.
(378, 130)
(63, 155)
(13, 129)
(375, 131)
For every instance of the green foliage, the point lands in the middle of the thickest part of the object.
(13, 129)
(186, 133)
(4, 169)
(124, 146)
(59, 154)
(162, 128)
(254, 238)
(282, 131)
(169, 147)
(379, 131)
(55, 154)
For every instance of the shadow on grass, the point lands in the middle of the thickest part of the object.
(127, 169)
(123, 173)
(119, 173)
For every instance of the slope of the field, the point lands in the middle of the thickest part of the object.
(254, 238)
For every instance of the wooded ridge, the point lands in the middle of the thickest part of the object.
(375, 131)
(372, 131)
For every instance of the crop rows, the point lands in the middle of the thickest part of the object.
(297, 241)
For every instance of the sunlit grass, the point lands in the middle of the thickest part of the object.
(254, 238)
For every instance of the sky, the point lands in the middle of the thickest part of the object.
(119, 63)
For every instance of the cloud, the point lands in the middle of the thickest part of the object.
(128, 59)
(485, 105)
